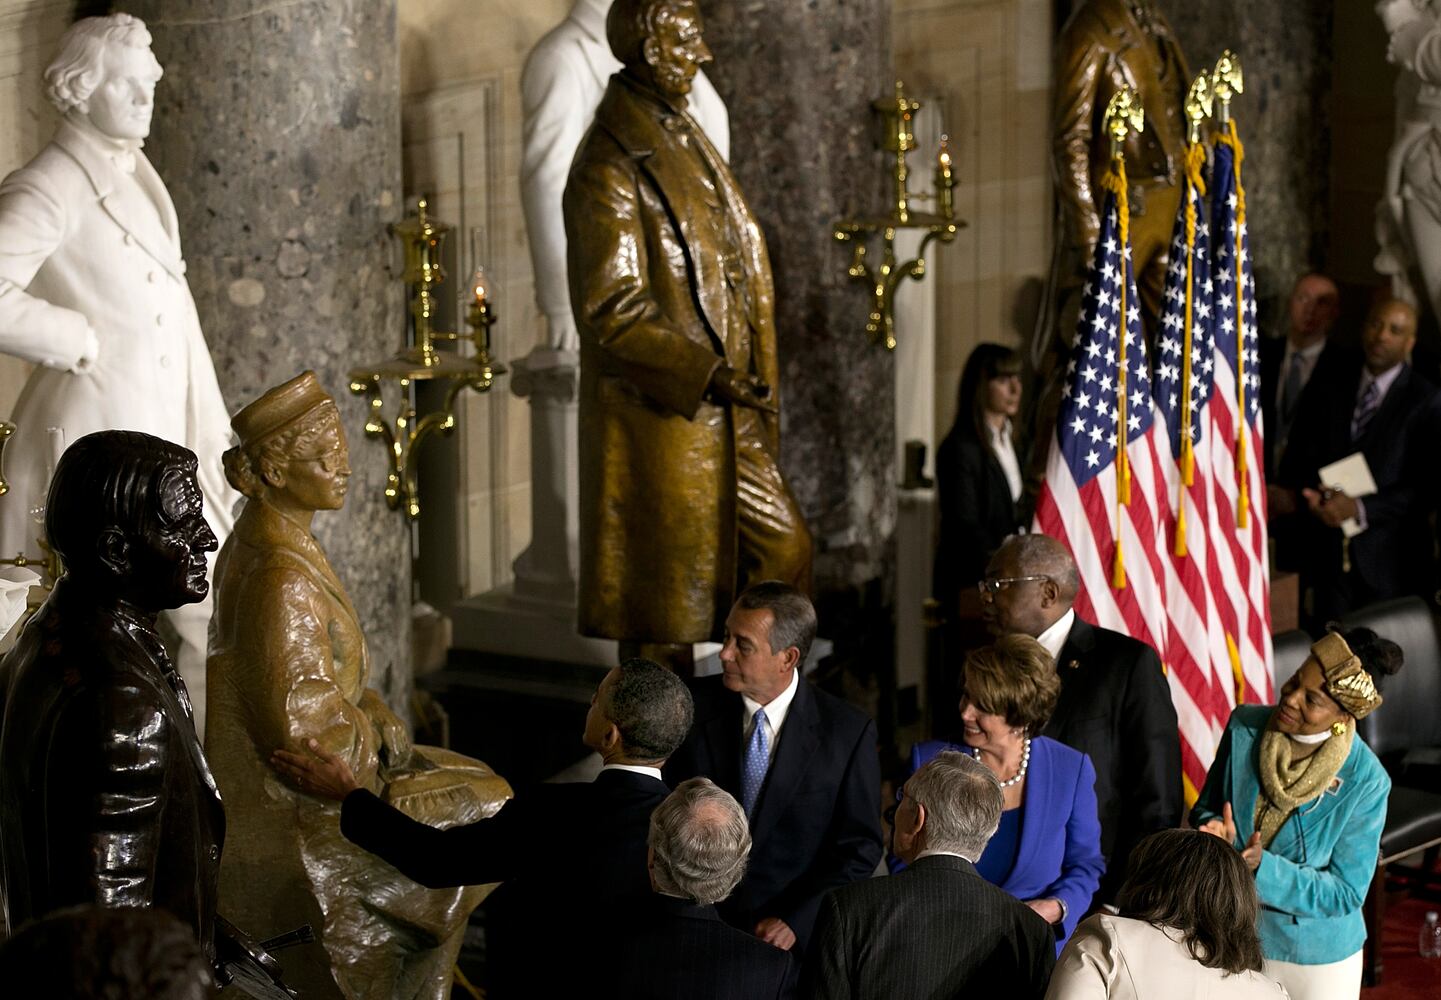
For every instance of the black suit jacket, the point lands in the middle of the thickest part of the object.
(816, 824)
(1401, 456)
(1115, 707)
(936, 929)
(670, 948)
(977, 513)
(565, 852)
(1272, 354)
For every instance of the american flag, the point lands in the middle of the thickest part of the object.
(1195, 643)
(1092, 464)
(1241, 583)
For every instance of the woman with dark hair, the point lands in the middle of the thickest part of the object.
(1185, 928)
(1047, 850)
(1303, 801)
(978, 471)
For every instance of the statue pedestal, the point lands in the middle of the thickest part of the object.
(534, 617)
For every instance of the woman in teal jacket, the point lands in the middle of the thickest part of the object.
(1304, 800)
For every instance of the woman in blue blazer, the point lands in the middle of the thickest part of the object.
(1047, 850)
(1304, 800)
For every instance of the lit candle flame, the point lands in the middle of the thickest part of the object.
(480, 287)
(943, 158)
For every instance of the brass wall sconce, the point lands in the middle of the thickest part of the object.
(423, 237)
(48, 564)
(899, 111)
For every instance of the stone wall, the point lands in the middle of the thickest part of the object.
(798, 80)
(277, 130)
(1285, 120)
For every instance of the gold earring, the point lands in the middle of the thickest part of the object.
(1338, 728)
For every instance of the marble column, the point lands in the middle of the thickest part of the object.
(1286, 55)
(799, 79)
(277, 130)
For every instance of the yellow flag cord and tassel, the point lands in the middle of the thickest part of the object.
(1114, 181)
(1243, 492)
(1195, 185)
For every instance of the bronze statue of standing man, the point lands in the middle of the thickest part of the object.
(682, 502)
(1107, 45)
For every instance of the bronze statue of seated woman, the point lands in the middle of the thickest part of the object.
(288, 663)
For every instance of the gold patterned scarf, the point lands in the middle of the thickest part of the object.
(1286, 783)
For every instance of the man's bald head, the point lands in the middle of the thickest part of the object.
(1389, 335)
(1035, 583)
(1314, 308)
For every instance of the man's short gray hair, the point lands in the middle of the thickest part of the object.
(699, 842)
(793, 614)
(1041, 555)
(79, 67)
(963, 803)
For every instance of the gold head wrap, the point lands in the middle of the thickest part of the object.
(1346, 680)
(280, 408)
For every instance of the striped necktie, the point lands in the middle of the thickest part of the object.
(1366, 408)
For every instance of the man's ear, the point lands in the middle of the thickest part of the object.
(113, 551)
(611, 737)
(791, 657)
(650, 52)
(918, 828)
(1050, 593)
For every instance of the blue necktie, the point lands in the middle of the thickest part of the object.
(757, 761)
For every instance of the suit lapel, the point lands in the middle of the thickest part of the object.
(723, 742)
(1382, 428)
(800, 738)
(661, 155)
(1035, 812)
(1071, 665)
(139, 205)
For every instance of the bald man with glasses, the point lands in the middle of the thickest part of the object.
(1115, 704)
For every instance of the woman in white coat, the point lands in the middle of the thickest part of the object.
(1186, 930)
(93, 292)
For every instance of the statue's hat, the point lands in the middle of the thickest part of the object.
(280, 407)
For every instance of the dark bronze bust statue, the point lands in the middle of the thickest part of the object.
(105, 794)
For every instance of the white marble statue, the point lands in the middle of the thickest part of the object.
(561, 86)
(93, 292)
(1408, 218)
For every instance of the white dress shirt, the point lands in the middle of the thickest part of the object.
(1308, 364)
(776, 713)
(653, 772)
(1005, 451)
(1054, 638)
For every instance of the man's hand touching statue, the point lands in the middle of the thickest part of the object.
(321, 774)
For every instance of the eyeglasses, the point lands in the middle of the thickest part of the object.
(991, 586)
(890, 813)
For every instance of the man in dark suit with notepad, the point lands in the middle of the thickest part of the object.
(1374, 406)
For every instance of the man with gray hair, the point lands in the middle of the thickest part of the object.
(93, 293)
(675, 943)
(936, 929)
(801, 761)
(1115, 704)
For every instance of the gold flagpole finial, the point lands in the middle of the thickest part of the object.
(1124, 115)
(1226, 82)
(1198, 104)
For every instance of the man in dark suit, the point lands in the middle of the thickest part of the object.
(1115, 705)
(802, 762)
(563, 850)
(1378, 406)
(675, 943)
(1287, 364)
(936, 929)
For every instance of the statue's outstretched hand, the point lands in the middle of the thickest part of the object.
(742, 388)
(324, 775)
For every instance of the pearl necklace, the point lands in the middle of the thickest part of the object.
(1025, 763)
